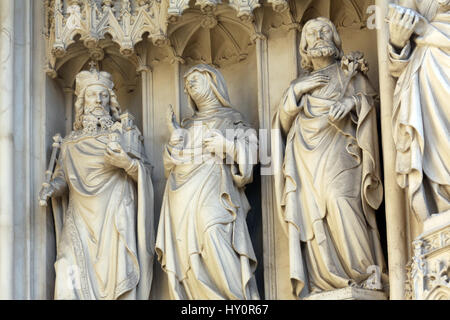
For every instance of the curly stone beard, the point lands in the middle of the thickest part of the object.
(322, 49)
(92, 124)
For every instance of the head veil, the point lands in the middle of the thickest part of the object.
(216, 82)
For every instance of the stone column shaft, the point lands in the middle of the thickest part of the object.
(266, 180)
(68, 97)
(147, 109)
(394, 195)
(6, 148)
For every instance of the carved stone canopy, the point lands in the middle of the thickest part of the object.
(220, 38)
(204, 31)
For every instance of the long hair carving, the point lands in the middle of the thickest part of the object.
(79, 108)
(303, 48)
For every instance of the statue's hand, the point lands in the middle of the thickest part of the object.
(177, 137)
(116, 156)
(217, 144)
(341, 109)
(171, 120)
(310, 83)
(46, 192)
(402, 22)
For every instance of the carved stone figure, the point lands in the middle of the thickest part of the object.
(102, 199)
(327, 171)
(203, 242)
(419, 53)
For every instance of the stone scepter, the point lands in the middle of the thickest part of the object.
(51, 166)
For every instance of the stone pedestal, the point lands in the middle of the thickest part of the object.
(430, 265)
(349, 294)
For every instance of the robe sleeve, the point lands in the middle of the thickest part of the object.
(245, 155)
(365, 147)
(145, 229)
(288, 110)
(367, 140)
(170, 156)
(59, 179)
(399, 61)
(60, 199)
(282, 121)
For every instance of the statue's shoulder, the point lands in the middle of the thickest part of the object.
(80, 135)
(304, 75)
(73, 136)
(68, 137)
(232, 117)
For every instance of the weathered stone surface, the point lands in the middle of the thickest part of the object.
(349, 294)
(148, 45)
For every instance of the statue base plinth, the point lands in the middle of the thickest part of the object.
(349, 294)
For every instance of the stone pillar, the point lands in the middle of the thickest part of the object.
(147, 109)
(266, 180)
(6, 148)
(178, 90)
(68, 98)
(394, 195)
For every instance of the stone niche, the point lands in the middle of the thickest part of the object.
(148, 45)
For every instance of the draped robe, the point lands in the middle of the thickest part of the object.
(421, 115)
(327, 184)
(203, 242)
(105, 248)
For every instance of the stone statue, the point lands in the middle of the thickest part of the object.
(203, 242)
(419, 51)
(102, 195)
(327, 171)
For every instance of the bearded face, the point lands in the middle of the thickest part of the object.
(96, 108)
(325, 49)
(319, 38)
(96, 101)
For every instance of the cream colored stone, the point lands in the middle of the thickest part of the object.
(396, 219)
(428, 275)
(6, 148)
(116, 18)
(147, 46)
(327, 172)
(349, 294)
(420, 116)
(102, 200)
(418, 57)
(203, 243)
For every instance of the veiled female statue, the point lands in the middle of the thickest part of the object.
(327, 170)
(203, 242)
(419, 52)
(104, 199)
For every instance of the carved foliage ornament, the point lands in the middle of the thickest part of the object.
(244, 8)
(125, 21)
(428, 276)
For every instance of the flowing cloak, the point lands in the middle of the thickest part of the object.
(105, 248)
(420, 118)
(327, 184)
(203, 242)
